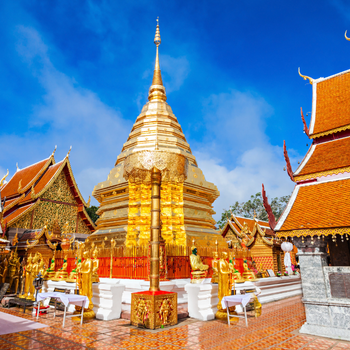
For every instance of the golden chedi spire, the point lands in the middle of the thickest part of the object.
(157, 90)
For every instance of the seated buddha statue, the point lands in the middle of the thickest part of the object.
(236, 276)
(248, 275)
(62, 273)
(199, 270)
(50, 272)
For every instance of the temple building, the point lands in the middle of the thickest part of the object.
(41, 192)
(125, 200)
(257, 236)
(317, 217)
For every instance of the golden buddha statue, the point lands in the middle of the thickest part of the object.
(4, 267)
(225, 286)
(199, 270)
(95, 266)
(85, 285)
(50, 272)
(214, 266)
(28, 274)
(34, 273)
(13, 270)
(62, 274)
(73, 276)
(248, 275)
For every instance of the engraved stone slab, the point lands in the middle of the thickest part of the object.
(340, 285)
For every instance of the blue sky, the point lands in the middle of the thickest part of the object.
(78, 72)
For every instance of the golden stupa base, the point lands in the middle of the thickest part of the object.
(222, 315)
(153, 310)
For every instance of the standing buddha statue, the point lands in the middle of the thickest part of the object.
(50, 272)
(34, 273)
(28, 272)
(225, 286)
(85, 284)
(95, 264)
(214, 266)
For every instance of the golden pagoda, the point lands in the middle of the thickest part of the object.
(125, 198)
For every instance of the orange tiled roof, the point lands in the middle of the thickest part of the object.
(27, 175)
(328, 156)
(44, 181)
(332, 103)
(18, 212)
(320, 205)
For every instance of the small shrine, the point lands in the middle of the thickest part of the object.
(40, 192)
(258, 237)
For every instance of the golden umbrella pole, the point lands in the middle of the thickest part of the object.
(155, 230)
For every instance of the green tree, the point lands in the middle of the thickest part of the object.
(92, 213)
(254, 204)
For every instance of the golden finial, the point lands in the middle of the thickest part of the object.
(19, 186)
(157, 39)
(348, 39)
(305, 77)
(88, 202)
(254, 214)
(17, 166)
(69, 152)
(32, 194)
(54, 151)
(15, 239)
(157, 77)
(3, 179)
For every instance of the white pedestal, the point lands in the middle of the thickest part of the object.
(107, 300)
(107, 297)
(202, 300)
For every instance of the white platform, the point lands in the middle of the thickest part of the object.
(112, 296)
(203, 298)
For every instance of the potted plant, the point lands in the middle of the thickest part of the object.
(279, 274)
(286, 273)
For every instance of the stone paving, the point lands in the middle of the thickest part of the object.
(277, 328)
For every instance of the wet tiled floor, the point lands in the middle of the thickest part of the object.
(277, 328)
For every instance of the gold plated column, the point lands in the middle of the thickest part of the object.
(155, 230)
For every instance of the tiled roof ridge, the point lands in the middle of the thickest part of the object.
(312, 151)
(293, 197)
(47, 161)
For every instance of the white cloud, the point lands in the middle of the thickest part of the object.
(235, 153)
(68, 115)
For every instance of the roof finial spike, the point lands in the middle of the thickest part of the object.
(54, 151)
(17, 167)
(305, 77)
(348, 39)
(69, 152)
(3, 179)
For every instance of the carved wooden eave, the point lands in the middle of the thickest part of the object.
(43, 231)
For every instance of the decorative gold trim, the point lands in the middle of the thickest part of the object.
(41, 171)
(332, 131)
(305, 77)
(3, 179)
(31, 207)
(323, 173)
(16, 201)
(74, 182)
(52, 180)
(314, 232)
